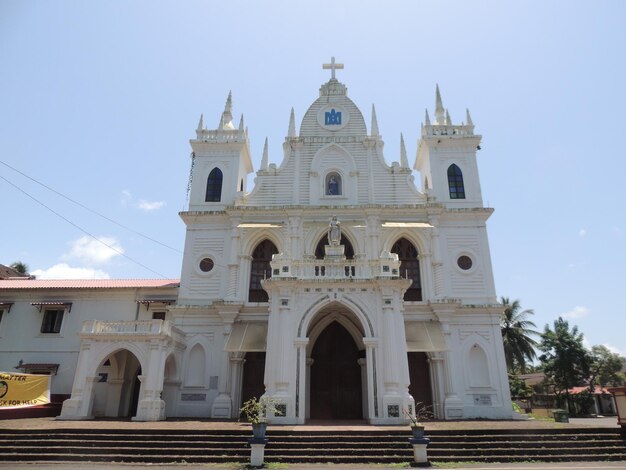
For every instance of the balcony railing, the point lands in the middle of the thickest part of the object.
(145, 327)
(335, 269)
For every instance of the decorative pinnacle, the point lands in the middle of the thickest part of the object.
(265, 158)
(201, 123)
(292, 124)
(227, 116)
(404, 161)
(448, 120)
(427, 119)
(374, 127)
(439, 111)
(241, 126)
(468, 118)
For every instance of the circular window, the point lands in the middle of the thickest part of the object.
(464, 262)
(206, 265)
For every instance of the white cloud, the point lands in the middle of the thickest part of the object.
(64, 271)
(577, 312)
(149, 206)
(582, 232)
(91, 251)
(142, 204)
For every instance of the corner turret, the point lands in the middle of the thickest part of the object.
(446, 159)
(221, 163)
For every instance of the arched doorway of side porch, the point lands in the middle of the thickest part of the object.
(337, 378)
(117, 385)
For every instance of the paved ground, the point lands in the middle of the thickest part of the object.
(53, 423)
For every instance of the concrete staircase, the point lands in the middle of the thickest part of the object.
(375, 446)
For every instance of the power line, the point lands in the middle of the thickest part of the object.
(89, 209)
(82, 229)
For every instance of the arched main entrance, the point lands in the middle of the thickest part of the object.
(116, 393)
(335, 387)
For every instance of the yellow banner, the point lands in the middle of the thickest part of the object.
(22, 390)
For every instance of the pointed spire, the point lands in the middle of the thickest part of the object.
(427, 119)
(374, 128)
(448, 120)
(241, 127)
(227, 115)
(468, 118)
(201, 123)
(292, 124)
(265, 158)
(404, 161)
(439, 112)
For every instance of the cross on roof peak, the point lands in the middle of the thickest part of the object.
(332, 66)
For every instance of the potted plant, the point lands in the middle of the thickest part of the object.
(421, 412)
(255, 411)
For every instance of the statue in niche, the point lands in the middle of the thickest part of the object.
(333, 186)
(334, 232)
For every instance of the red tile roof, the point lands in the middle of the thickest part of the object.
(86, 283)
(597, 391)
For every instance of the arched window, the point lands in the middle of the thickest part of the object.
(455, 182)
(260, 269)
(214, 186)
(478, 368)
(333, 184)
(348, 250)
(409, 268)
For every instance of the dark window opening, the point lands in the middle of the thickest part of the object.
(455, 182)
(158, 315)
(409, 268)
(260, 269)
(52, 320)
(214, 186)
(333, 184)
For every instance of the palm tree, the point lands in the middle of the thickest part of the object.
(519, 346)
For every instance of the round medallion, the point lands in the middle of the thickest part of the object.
(333, 117)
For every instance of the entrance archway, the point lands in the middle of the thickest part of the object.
(117, 392)
(335, 383)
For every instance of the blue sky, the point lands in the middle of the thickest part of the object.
(99, 100)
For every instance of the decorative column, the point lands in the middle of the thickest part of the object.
(233, 263)
(371, 345)
(151, 406)
(453, 405)
(436, 380)
(222, 405)
(303, 374)
(79, 405)
(236, 376)
(363, 365)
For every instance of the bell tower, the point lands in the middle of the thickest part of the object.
(446, 159)
(221, 163)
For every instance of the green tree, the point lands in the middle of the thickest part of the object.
(605, 367)
(20, 267)
(566, 361)
(519, 346)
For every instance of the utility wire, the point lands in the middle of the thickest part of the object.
(82, 229)
(89, 209)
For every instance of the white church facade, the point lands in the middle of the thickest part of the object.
(338, 286)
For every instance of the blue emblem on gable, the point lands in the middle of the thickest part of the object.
(332, 118)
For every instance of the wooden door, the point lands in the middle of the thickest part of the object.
(335, 376)
(253, 373)
(419, 375)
